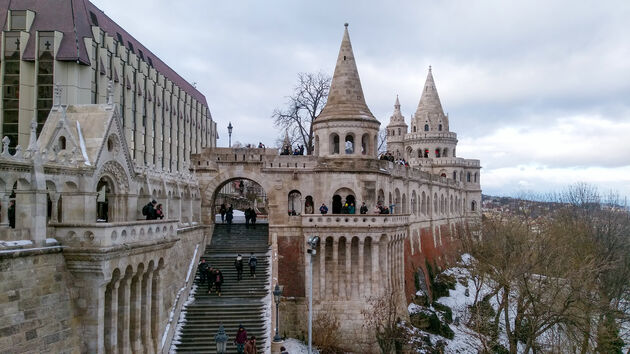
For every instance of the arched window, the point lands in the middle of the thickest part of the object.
(426, 153)
(443, 174)
(440, 127)
(473, 206)
(295, 203)
(423, 206)
(454, 175)
(468, 177)
(103, 189)
(62, 143)
(454, 152)
(420, 153)
(398, 131)
(426, 127)
(349, 144)
(437, 152)
(414, 128)
(445, 152)
(475, 177)
(334, 143)
(309, 206)
(365, 144)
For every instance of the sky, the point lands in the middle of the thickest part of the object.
(539, 91)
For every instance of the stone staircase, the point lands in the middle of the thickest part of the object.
(240, 302)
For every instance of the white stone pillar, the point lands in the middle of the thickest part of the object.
(348, 280)
(124, 292)
(156, 310)
(111, 343)
(4, 211)
(376, 277)
(145, 327)
(135, 313)
(322, 269)
(335, 270)
(54, 197)
(361, 289)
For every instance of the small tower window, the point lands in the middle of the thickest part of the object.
(349, 144)
(426, 153)
(455, 175)
(398, 131)
(62, 143)
(414, 128)
(426, 127)
(468, 177)
(437, 152)
(440, 127)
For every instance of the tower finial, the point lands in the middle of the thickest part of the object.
(346, 24)
(429, 68)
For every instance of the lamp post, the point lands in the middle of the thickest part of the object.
(313, 242)
(230, 133)
(221, 339)
(277, 292)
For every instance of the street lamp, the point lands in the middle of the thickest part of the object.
(313, 242)
(230, 133)
(277, 292)
(221, 339)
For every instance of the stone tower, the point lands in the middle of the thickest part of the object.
(431, 137)
(346, 127)
(396, 130)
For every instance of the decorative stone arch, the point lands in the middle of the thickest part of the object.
(340, 197)
(380, 197)
(365, 144)
(414, 203)
(294, 202)
(333, 149)
(423, 207)
(405, 208)
(397, 206)
(116, 172)
(349, 146)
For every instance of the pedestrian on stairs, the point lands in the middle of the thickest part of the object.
(250, 346)
(238, 264)
(203, 271)
(247, 217)
(241, 338)
(218, 281)
(253, 262)
(223, 210)
(252, 216)
(210, 278)
(229, 214)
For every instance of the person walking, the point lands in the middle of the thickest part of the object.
(247, 217)
(203, 271)
(238, 264)
(218, 281)
(229, 215)
(252, 262)
(250, 346)
(252, 216)
(210, 273)
(159, 213)
(323, 209)
(222, 210)
(241, 338)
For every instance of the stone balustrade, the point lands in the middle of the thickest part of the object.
(354, 220)
(115, 233)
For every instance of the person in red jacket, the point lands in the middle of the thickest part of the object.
(250, 346)
(241, 338)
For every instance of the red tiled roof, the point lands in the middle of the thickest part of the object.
(73, 18)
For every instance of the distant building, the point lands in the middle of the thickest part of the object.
(75, 45)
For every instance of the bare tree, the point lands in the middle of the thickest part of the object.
(382, 141)
(382, 319)
(303, 106)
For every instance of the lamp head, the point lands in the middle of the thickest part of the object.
(313, 241)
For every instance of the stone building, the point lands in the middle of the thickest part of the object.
(75, 45)
(115, 282)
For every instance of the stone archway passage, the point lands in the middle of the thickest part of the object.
(336, 204)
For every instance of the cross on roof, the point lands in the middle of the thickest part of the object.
(47, 45)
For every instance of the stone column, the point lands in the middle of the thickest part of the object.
(146, 312)
(348, 281)
(335, 270)
(4, 212)
(123, 315)
(92, 309)
(135, 312)
(156, 310)
(376, 256)
(322, 269)
(54, 197)
(362, 290)
(111, 343)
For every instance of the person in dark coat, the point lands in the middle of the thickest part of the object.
(203, 271)
(252, 216)
(222, 210)
(229, 215)
(218, 281)
(253, 262)
(238, 264)
(241, 338)
(149, 210)
(250, 346)
(11, 214)
(323, 209)
(363, 209)
(247, 217)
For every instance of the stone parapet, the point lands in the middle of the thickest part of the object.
(354, 221)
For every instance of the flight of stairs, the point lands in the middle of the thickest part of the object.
(240, 302)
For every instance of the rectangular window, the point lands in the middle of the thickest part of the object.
(18, 20)
(45, 68)
(11, 88)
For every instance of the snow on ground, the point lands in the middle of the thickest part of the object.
(18, 243)
(294, 346)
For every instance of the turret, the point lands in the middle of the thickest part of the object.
(396, 130)
(429, 116)
(346, 127)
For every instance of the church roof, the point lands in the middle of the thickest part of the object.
(75, 20)
(429, 101)
(346, 100)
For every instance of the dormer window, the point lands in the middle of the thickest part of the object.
(18, 20)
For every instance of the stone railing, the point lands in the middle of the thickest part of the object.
(115, 233)
(354, 220)
(430, 135)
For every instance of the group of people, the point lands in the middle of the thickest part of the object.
(244, 345)
(213, 276)
(250, 217)
(252, 262)
(153, 210)
(348, 208)
(389, 157)
(227, 213)
(251, 146)
(286, 150)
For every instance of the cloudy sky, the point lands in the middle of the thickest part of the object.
(539, 91)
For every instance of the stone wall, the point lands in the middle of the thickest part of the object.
(36, 312)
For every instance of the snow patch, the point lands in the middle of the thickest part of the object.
(295, 346)
(82, 143)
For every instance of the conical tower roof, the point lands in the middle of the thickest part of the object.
(429, 101)
(397, 118)
(345, 99)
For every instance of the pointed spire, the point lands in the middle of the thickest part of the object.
(397, 118)
(429, 101)
(397, 104)
(346, 100)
